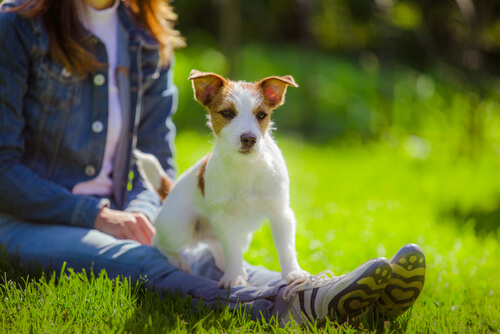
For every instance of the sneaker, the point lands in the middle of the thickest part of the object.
(320, 297)
(406, 283)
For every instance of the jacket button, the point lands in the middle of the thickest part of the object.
(90, 170)
(99, 79)
(66, 73)
(97, 127)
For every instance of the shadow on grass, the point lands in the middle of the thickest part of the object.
(15, 270)
(172, 312)
(175, 313)
(485, 221)
(372, 321)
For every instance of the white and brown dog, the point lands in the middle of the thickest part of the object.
(224, 197)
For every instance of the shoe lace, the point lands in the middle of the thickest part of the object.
(313, 280)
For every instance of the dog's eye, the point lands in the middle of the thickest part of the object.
(229, 114)
(261, 115)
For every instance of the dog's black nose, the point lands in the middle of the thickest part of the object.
(248, 140)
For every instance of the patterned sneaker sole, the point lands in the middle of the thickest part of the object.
(406, 283)
(362, 292)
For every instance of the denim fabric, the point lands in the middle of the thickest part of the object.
(47, 142)
(81, 248)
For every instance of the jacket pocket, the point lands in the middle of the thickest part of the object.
(60, 93)
(60, 87)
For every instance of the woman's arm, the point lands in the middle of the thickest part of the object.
(22, 192)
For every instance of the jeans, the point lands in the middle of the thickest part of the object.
(89, 249)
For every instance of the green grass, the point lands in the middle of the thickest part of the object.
(352, 202)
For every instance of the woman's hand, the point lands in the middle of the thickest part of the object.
(125, 225)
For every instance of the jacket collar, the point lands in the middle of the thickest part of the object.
(137, 34)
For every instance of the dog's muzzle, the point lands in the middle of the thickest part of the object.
(247, 140)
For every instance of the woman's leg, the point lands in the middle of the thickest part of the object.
(312, 300)
(53, 245)
(202, 263)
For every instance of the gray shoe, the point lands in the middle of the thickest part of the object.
(406, 283)
(320, 297)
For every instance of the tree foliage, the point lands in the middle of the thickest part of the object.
(463, 33)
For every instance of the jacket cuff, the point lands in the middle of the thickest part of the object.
(147, 203)
(86, 211)
(148, 209)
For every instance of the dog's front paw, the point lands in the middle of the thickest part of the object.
(295, 275)
(178, 261)
(231, 281)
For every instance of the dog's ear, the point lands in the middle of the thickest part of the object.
(206, 86)
(274, 88)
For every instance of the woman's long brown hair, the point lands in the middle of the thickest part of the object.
(66, 33)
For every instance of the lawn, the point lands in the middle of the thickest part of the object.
(353, 202)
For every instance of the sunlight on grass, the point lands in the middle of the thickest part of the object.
(353, 203)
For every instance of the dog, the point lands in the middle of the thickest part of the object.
(224, 197)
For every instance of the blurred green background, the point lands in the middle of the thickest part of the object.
(367, 69)
(416, 76)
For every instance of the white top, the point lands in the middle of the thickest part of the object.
(104, 25)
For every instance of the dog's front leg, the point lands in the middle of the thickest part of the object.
(235, 274)
(283, 231)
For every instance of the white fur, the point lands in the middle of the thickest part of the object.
(241, 190)
(150, 170)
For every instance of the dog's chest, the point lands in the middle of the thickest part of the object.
(245, 187)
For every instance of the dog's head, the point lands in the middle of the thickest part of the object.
(239, 112)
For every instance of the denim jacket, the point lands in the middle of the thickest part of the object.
(53, 123)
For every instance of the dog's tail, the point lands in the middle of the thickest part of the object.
(153, 174)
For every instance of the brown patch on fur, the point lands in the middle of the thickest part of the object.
(206, 86)
(165, 186)
(201, 175)
(264, 123)
(274, 88)
(210, 90)
(219, 104)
